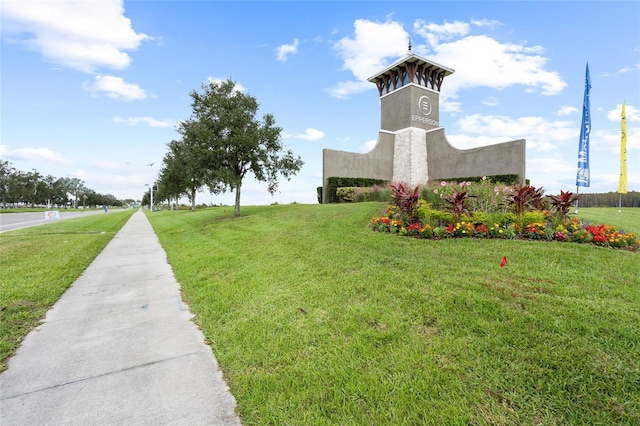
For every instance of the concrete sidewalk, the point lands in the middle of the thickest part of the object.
(118, 348)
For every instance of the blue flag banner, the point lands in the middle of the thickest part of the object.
(582, 179)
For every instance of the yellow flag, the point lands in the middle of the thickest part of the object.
(622, 184)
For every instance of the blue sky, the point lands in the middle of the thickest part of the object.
(93, 89)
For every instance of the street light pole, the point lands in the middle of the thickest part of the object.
(151, 188)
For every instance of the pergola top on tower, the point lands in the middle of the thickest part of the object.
(411, 69)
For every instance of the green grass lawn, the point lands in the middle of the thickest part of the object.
(38, 264)
(627, 219)
(315, 319)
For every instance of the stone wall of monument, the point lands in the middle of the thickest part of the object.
(410, 151)
(400, 157)
(448, 162)
(376, 164)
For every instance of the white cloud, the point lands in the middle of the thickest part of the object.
(83, 35)
(541, 135)
(631, 112)
(449, 105)
(567, 110)
(552, 173)
(115, 88)
(549, 165)
(606, 141)
(310, 134)
(372, 46)
(110, 166)
(436, 32)
(238, 87)
(519, 127)
(467, 141)
(603, 141)
(610, 141)
(485, 23)
(287, 49)
(490, 101)
(481, 61)
(624, 70)
(33, 154)
(367, 146)
(151, 122)
(344, 89)
(629, 69)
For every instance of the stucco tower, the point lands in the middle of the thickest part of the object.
(412, 146)
(409, 105)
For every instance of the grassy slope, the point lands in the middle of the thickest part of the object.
(39, 263)
(315, 319)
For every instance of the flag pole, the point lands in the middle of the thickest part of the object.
(619, 203)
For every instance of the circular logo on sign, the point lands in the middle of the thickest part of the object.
(424, 105)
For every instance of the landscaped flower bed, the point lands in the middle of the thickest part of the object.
(486, 210)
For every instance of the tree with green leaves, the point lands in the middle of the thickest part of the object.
(32, 188)
(184, 170)
(232, 142)
(6, 172)
(73, 186)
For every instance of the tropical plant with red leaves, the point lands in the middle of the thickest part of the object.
(406, 200)
(456, 204)
(526, 198)
(561, 204)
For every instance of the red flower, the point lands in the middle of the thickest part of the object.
(599, 239)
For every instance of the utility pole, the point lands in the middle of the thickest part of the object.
(151, 188)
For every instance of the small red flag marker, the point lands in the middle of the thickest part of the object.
(503, 262)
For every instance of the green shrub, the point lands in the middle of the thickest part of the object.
(487, 197)
(484, 194)
(431, 195)
(479, 217)
(428, 216)
(346, 194)
(359, 194)
(532, 217)
(510, 179)
(333, 183)
(503, 219)
(379, 193)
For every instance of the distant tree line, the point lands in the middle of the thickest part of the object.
(31, 189)
(610, 199)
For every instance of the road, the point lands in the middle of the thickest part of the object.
(12, 221)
